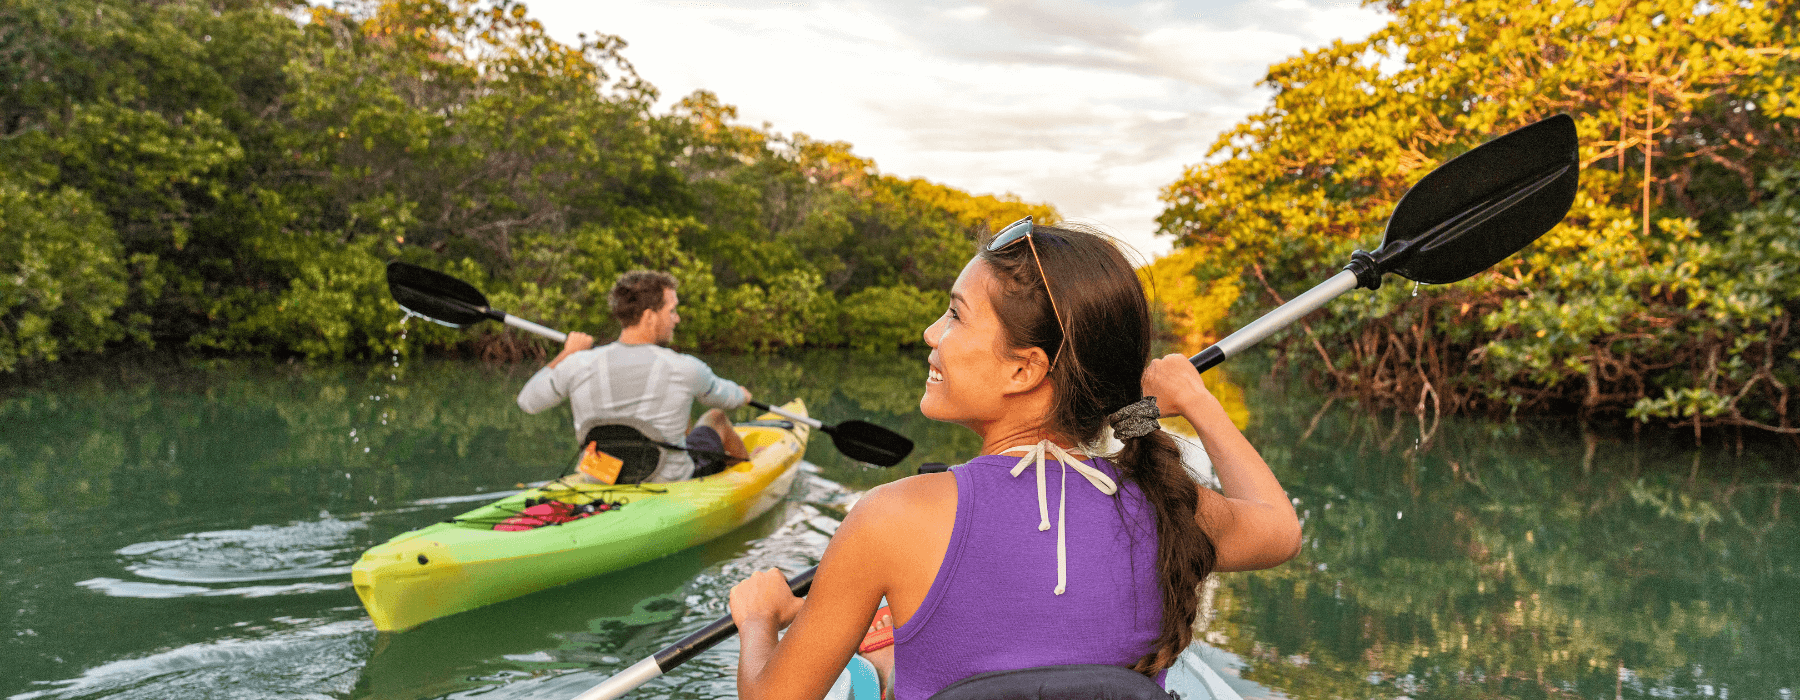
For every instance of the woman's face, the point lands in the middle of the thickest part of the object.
(968, 379)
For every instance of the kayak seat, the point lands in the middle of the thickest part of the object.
(641, 457)
(1070, 682)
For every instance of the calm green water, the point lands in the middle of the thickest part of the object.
(187, 531)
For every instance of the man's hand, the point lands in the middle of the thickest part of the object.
(574, 343)
(577, 342)
(747, 396)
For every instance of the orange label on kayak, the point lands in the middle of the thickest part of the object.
(600, 465)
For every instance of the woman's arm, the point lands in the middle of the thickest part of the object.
(761, 606)
(1253, 525)
(826, 626)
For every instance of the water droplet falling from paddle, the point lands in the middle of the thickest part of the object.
(374, 404)
(1415, 289)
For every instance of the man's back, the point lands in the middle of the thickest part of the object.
(647, 386)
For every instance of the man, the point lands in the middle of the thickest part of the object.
(640, 383)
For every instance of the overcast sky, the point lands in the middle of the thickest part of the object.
(1091, 105)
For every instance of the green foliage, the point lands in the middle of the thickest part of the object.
(324, 311)
(1739, 293)
(878, 318)
(1655, 298)
(60, 271)
(778, 314)
(260, 160)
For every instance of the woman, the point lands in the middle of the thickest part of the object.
(991, 565)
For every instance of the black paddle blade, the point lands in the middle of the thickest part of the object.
(1483, 205)
(868, 442)
(435, 295)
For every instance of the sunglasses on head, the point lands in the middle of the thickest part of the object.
(1010, 235)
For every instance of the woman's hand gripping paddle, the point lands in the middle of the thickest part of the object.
(455, 303)
(673, 655)
(1468, 214)
(1462, 218)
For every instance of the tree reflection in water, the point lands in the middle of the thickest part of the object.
(1477, 559)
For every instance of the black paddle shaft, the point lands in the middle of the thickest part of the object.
(720, 629)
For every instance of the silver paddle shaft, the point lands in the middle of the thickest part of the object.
(626, 681)
(814, 422)
(530, 327)
(1282, 317)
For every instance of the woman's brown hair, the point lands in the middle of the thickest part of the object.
(1096, 370)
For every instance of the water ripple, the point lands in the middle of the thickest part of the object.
(140, 589)
(307, 660)
(304, 549)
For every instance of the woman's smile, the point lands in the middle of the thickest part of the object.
(966, 342)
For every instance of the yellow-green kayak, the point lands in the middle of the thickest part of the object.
(465, 563)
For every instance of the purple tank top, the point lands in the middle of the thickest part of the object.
(992, 605)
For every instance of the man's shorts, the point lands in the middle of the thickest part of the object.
(705, 438)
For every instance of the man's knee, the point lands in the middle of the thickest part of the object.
(716, 419)
(720, 422)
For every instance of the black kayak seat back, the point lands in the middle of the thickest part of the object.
(641, 457)
(1070, 682)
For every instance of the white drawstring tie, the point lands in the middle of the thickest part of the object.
(1035, 453)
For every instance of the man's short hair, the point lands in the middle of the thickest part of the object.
(638, 291)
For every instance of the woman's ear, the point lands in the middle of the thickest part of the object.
(1027, 369)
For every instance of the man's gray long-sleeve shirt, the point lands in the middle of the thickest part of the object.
(644, 384)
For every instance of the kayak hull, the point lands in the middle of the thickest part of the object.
(463, 564)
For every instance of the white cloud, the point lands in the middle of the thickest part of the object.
(966, 13)
(1092, 106)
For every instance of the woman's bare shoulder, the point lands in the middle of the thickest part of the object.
(895, 537)
(914, 504)
(906, 499)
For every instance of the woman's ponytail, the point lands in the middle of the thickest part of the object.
(1185, 555)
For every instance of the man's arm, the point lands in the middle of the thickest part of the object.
(574, 343)
(715, 391)
(543, 391)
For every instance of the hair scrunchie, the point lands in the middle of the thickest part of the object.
(1136, 420)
